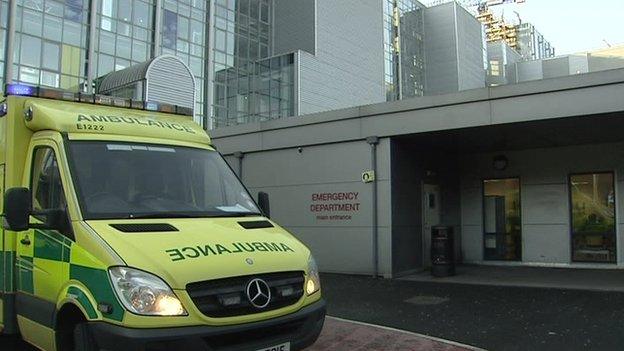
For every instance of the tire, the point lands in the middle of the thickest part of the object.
(83, 340)
(15, 342)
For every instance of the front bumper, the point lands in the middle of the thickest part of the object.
(301, 329)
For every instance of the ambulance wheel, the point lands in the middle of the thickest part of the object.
(83, 341)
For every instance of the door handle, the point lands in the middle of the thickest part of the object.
(25, 240)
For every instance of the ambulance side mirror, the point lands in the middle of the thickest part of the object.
(17, 207)
(263, 202)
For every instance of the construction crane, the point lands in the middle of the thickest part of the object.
(481, 5)
(496, 29)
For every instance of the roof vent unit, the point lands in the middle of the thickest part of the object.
(164, 79)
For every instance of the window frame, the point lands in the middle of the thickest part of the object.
(571, 219)
(35, 149)
(483, 233)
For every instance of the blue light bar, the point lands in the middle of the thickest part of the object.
(105, 100)
(20, 89)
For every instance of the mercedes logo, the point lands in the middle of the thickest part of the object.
(258, 293)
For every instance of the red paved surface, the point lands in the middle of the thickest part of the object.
(341, 335)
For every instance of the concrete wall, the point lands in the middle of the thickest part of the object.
(291, 178)
(529, 70)
(556, 67)
(347, 69)
(470, 50)
(294, 26)
(594, 61)
(505, 56)
(545, 212)
(579, 63)
(441, 66)
(601, 63)
(453, 50)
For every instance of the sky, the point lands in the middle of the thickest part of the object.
(572, 25)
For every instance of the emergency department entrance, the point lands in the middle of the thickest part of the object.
(530, 174)
(538, 193)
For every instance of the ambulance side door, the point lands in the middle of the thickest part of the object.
(42, 254)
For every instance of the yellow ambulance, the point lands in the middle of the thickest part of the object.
(124, 229)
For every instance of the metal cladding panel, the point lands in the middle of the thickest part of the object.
(347, 69)
(471, 70)
(441, 50)
(160, 76)
(295, 26)
(124, 77)
(556, 67)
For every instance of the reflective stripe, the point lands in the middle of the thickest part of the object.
(6, 271)
(98, 283)
(83, 300)
(51, 245)
(25, 282)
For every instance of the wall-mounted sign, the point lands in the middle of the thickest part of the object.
(368, 176)
(335, 206)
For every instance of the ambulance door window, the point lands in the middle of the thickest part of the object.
(46, 186)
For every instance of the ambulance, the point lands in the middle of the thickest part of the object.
(124, 229)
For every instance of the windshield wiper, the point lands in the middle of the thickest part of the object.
(192, 214)
(237, 214)
(163, 215)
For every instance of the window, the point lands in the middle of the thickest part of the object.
(31, 51)
(47, 190)
(170, 29)
(501, 219)
(495, 68)
(130, 180)
(592, 202)
(51, 56)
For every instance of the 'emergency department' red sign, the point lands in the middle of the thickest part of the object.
(334, 206)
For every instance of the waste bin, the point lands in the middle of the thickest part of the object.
(442, 251)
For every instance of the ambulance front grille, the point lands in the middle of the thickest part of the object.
(228, 297)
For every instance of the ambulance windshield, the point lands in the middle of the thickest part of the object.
(130, 180)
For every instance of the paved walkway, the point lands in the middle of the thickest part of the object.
(491, 317)
(340, 335)
(534, 277)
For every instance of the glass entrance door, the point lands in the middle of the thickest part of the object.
(592, 202)
(501, 220)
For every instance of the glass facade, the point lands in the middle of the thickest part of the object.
(412, 51)
(242, 35)
(183, 34)
(124, 34)
(265, 90)
(403, 26)
(592, 202)
(52, 39)
(531, 43)
(501, 219)
(50, 43)
(4, 17)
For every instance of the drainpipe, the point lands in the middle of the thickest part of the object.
(239, 155)
(373, 141)
(10, 38)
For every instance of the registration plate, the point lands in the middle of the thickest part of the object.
(280, 347)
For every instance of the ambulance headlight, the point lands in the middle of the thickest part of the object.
(314, 281)
(145, 294)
